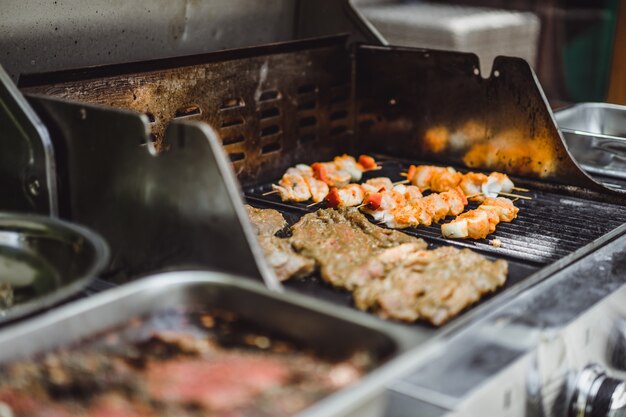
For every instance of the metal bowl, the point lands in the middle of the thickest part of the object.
(45, 260)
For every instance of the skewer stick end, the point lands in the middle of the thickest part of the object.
(523, 197)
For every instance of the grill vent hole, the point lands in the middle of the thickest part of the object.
(188, 111)
(272, 147)
(234, 121)
(339, 130)
(307, 121)
(229, 140)
(339, 115)
(232, 103)
(237, 156)
(269, 113)
(269, 95)
(270, 130)
(366, 124)
(307, 88)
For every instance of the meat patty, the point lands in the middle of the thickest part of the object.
(266, 222)
(278, 252)
(409, 283)
(341, 240)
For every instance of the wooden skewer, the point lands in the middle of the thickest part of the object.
(525, 190)
(473, 195)
(400, 182)
(404, 174)
(361, 205)
(523, 197)
(379, 167)
(314, 204)
(271, 192)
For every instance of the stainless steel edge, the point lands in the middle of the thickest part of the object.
(27, 163)
(366, 398)
(100, 261)
(147, 204)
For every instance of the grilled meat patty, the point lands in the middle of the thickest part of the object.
(266, 222)
(278, 252)
(341, 240)
(409, 283)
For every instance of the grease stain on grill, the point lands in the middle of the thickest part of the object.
(232, 103)
(272, 147)
(233, 121)
(269, 113)
(269, 95)
(188, 111)
(307, 121)
(231, 140)
(270, 130)
(237, 156)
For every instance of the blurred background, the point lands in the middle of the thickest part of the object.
(577, 47)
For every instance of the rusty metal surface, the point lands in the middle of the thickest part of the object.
(435, 106)
(273, 107)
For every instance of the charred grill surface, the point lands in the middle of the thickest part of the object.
(548, 227)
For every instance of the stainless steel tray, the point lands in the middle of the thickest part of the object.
(46, 260)
(311, 322)
(595, 134)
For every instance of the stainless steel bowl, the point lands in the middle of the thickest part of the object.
(46, 260)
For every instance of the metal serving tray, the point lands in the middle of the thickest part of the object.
(311, 322)
(46, 260)
(595, 134)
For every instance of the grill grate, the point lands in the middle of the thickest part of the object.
(548, 227)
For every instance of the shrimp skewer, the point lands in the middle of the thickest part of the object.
(478, 223)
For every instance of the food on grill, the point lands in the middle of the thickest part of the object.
(388, 271)
(476, 186)
(176, 363)
(437, 179)
(403, 206)
(409, 283)
(303, 182)
(278, 252)
(341, 240)
(266, 222)
(299, 184)
(349, 196)
(478, 223)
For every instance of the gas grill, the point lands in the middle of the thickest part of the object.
(159, 156)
